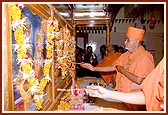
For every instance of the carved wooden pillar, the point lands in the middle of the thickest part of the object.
(74, 27)
(107, 35)
(7, 61)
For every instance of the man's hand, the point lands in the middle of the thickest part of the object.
(129, 75)
(97, 91)
(87, 66)
(119, 68)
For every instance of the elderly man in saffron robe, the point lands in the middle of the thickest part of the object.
(137, 62)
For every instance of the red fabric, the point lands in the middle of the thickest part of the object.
(107, 61)
(153, 88)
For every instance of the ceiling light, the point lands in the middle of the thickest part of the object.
(65, 14)
(90, 14)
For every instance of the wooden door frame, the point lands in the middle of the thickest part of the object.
(83, 35)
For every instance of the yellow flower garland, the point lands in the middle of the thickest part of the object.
(47, 69)
(21, 53)
(50, 39)
(15, 12)
(19, 36)
(39, 103)
(31, 81)
(26, 67)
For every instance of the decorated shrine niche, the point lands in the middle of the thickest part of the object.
(28, 59)
(42, 54)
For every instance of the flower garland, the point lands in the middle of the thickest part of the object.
(25, 61)
(65, 48)
(69, 52)
(59, 51)
(72, 57)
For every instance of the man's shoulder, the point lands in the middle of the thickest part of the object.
(146, 53)
(123, 56)
(125, 53)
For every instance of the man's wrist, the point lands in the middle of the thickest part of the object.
(94, 69)
(108, 94)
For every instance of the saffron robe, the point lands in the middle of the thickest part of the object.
(107, 61)
(153, 88)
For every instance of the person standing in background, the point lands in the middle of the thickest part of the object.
(90, 58)
(79, 59)
(102, 53)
